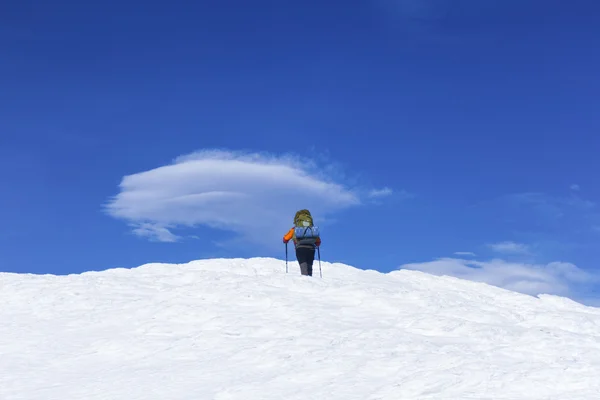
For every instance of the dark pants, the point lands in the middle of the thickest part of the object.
(306, 257)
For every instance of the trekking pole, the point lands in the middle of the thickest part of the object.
(319, 253)
(286, 258)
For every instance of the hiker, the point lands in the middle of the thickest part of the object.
(306, 239)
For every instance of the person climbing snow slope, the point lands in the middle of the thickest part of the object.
(306, 239)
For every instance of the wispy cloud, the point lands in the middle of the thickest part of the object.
(575, 187)
(465, 253)
(377, 194)
(558, 278)
(440, 20)
(569, 217)
(154, 232)
(510, 248)
(542, 204)
(418, 18)
(252, 194)
(552, 206)
(380, 192)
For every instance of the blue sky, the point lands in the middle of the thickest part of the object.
(414, 130)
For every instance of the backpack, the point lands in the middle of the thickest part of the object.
(305, 233)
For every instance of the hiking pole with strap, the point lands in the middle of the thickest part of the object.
(286, 259)
(319, 253)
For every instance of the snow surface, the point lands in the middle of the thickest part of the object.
(244, 329)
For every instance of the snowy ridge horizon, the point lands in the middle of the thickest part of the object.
(244, 329)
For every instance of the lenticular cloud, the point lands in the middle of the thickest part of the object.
(239, 192)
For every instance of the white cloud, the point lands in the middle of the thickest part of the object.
(154, 232)
(553, 207)
(380, 192)
(254, 195)
(557, 278)
(510, 247)
(465, 253)
(575, 187)
(377, 194)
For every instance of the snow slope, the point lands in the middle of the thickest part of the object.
(243, 329)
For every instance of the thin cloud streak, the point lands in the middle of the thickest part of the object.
(464, 253)
(510, 248)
